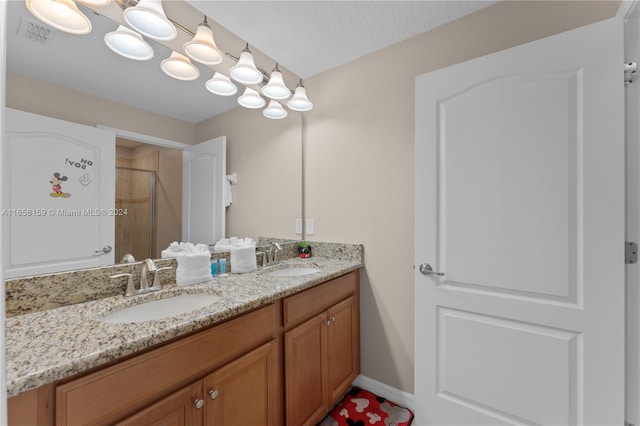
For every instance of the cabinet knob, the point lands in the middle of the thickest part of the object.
(332, 319)
(198, 403)
(213, 394)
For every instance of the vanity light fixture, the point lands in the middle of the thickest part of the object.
(148, 18)
(179, 67)
(251, 99)
(300, 102)
(245, 70)
(128, 43)
(63, 15)
(95, 2)
(221, 85)
(275, 111)
(202, 47)
(275, 88)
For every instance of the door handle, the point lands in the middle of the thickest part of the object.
(105, 250)
(426, 269)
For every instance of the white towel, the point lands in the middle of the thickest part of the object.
(226, 244)
(228, 196)
(193, 268)
(243, 259)
(176, 248)
(194, 262)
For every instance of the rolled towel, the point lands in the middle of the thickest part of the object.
(193, 268)
(243, 259)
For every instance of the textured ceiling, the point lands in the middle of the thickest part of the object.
(305, 37)
(310, 37)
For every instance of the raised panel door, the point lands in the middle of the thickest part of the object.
(245, 391)
(305, 366)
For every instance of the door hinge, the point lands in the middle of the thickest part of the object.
(630, 252)
(630, 72)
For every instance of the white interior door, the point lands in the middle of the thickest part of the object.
(58, 195)
(520, 203)
(203, 182)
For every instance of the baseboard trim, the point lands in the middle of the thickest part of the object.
(392, 394)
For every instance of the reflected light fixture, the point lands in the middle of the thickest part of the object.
(63, 15)
(179, 67)
(275, 88)
(300, 102)
(95, 2)
(128, 43)
(148, 18)
(245, 70)
(221, 85)
(251, 99)
(202, 47)
(274, 110)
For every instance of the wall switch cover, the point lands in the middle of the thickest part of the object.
(311, 227)
(298, 226)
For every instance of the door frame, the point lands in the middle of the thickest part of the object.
(630, 12)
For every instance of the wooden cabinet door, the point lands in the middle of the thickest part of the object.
(177, 409)
(245, 391)
(305, 363)
(343, 347)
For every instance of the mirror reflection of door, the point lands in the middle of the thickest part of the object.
(148, 199)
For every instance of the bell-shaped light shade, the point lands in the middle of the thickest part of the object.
(148, 18)
(63, 15)
(179, 67)
(95, 2)
(275, 110)
(245, 70)
(251, 99)
(221, 85)
(128, 43)
(300, 101)
(275, 88)
(203, 48)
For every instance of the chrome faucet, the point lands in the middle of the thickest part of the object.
(148, 265)
(270, 256)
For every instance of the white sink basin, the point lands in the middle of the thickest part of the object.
(162, 308)
(293, 272)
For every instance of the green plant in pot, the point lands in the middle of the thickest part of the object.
(304, 249)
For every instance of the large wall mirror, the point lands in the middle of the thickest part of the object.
(42, 61)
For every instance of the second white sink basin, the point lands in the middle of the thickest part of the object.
(293, 272)
(162, 308)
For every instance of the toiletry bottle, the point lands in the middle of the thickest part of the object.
(223, 266)
(214, 268)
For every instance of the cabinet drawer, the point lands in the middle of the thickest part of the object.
(114, 392)
(308, 303)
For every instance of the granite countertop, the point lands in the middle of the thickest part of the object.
(46, 346)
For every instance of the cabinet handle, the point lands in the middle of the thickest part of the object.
(213, 394)
(198, 403)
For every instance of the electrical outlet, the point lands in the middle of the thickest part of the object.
(298, 226)
(311, 227)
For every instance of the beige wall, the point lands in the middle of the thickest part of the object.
(359, 159)
(39, 97)
(267, 156)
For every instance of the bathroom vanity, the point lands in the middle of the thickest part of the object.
(273, 350)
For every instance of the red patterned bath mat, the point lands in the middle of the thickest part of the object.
(361, 408)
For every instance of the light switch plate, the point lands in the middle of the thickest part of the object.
(311, 227)
(298, 226)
